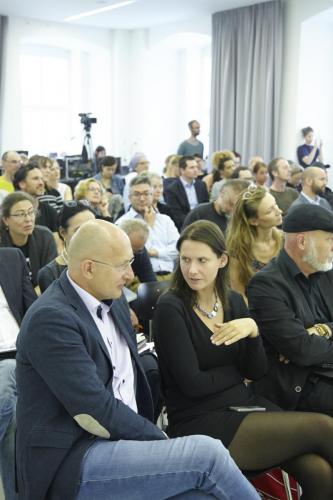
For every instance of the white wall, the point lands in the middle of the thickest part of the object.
(307, 74)
(80, 42)
(143, 86)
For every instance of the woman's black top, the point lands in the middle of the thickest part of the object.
(201, 381)
(49, 273)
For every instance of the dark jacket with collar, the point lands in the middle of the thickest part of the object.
(278, 305)
(176, 198)
(41, 247)
(64, 370)
(15, 282)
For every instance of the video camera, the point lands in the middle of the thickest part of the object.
(87, 120)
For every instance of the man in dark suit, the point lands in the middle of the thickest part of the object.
(186, 192)
(16, 295)
(291, 300)
(84, 407)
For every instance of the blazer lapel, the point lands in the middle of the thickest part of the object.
(83, 312)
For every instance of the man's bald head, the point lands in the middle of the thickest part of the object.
(98, 259)
(314, 181)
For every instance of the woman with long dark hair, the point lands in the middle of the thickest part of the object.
(208, 348)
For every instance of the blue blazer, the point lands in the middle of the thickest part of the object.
(63, 370)
(176, 199)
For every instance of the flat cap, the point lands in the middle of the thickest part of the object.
(308, 217)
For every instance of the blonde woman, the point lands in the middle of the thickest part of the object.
(92, 191)
(253, 238)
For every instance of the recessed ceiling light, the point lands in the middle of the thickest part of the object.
(100, 10)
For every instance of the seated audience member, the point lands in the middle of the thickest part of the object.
(171, 169)
(111, 182)
(242, 173)
(296, 172)
(158, 203)
(252, 236)
(137, 231)
(80, 377)
(29, 179)
(93, 192)
(137, 165)
(54, 182)
(192, 145)
(199, 320)
(50, 195)
(202, 172)
(10, 162)
(185, 193)
(100, 153)
(219, 210)
(163, 234)
(291, 300)
(72, 215)
(253, 160)
(18, 229)
(17, 294)
(279, 171)
(310, 151)
(260, 173)
(314, 180)
(223, 167)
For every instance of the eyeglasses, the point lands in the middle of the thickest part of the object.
(121, 269)
(94, 189)
(249, 192)
(14, 162)
(76, 203)
(22, 215)
(136, 194)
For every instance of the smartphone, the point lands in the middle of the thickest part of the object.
(247, 408)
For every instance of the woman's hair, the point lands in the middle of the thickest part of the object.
(11, 200)
(68, 210)
(220, 167)
(218, 155)
(107, 161)
(258, 165)
(171, 161)
(136, 158)
(241, 235)
(202, 231)
(306, 130)
(81, 189)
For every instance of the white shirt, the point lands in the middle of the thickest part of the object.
(8, 326)
(123, 376)
(163, 237)
(190, 192)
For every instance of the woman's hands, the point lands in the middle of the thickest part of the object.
(233, 331)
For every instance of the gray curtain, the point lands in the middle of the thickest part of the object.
(246, 80)
(3, 31)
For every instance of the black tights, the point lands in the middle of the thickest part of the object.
(300, 443)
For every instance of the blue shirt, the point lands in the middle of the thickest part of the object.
(305, 150)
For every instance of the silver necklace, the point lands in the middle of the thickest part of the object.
(210, 314)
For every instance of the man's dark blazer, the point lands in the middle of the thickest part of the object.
(15, 282)
(282, 313)
(176, 199)
(64, 370)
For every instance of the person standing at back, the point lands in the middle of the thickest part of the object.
(192, 145)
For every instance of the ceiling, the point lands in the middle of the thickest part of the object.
(140, 14)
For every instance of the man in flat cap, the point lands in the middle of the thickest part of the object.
(291, 300)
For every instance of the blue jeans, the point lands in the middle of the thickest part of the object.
(194, 467)
(7, 426)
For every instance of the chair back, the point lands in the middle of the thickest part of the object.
(148, 294)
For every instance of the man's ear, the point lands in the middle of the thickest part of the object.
(301, 241)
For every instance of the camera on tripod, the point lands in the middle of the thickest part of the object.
(87, 120)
